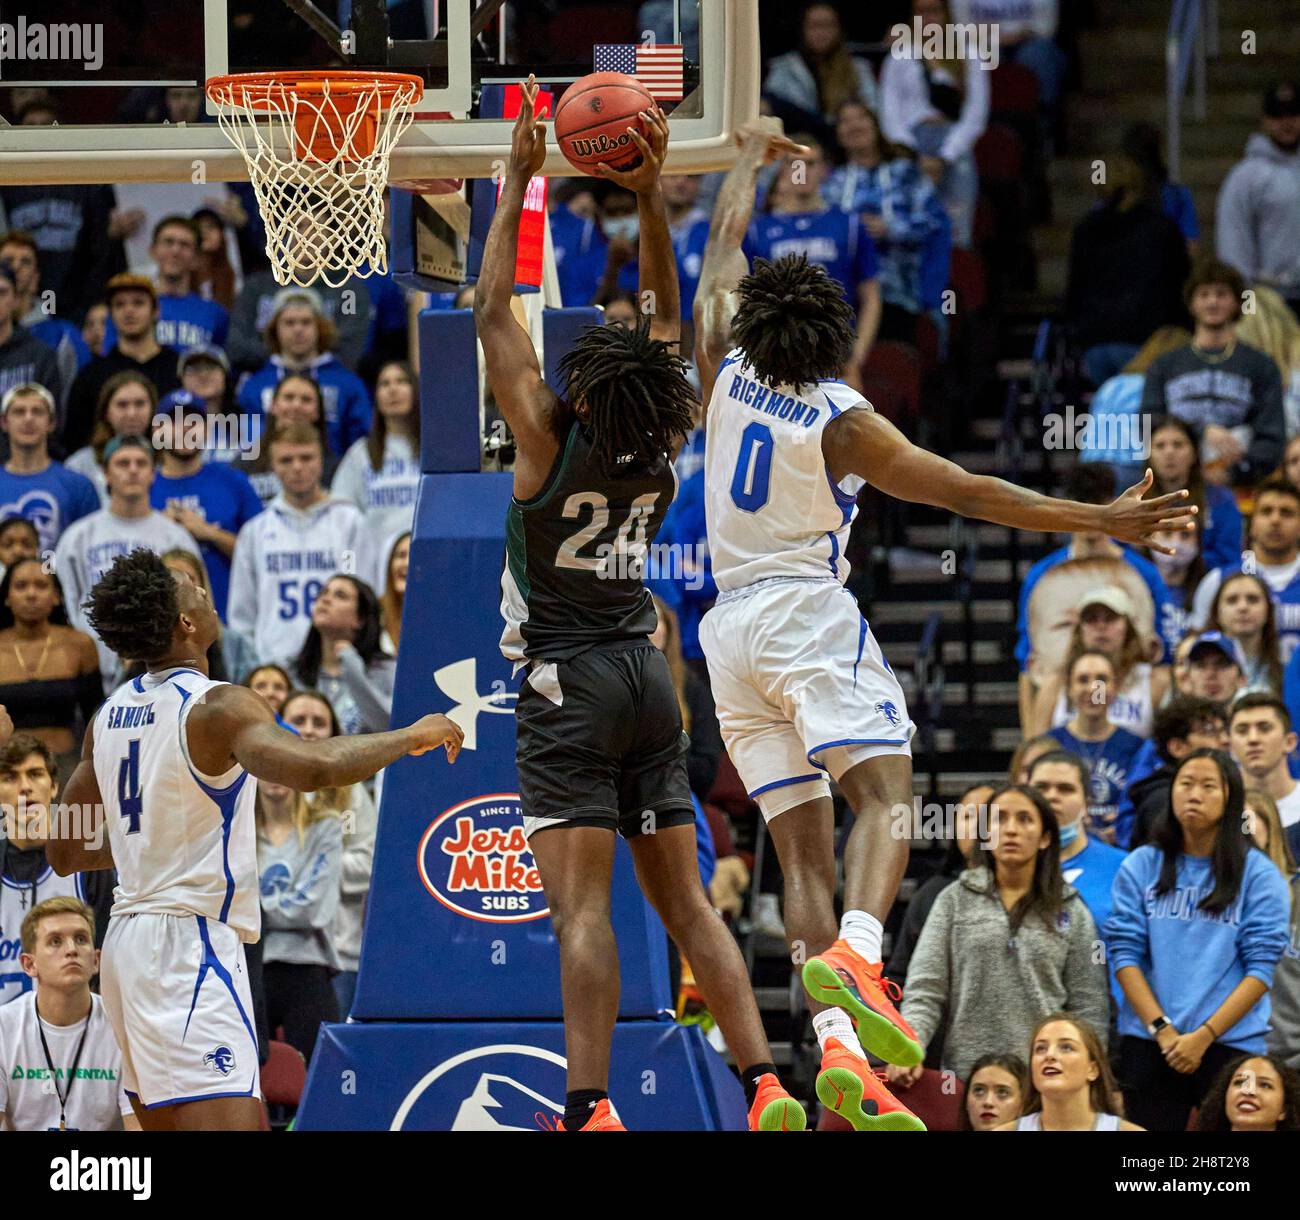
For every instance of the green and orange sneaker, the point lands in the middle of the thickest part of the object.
(847, 1086)
(774, 1109)
(843, 978)
(603, 1118)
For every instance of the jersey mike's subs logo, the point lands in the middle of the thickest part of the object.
(475, 860)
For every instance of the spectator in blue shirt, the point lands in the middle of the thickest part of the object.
(901, 209)
(185, 319)
(35, 311)
(688, 225)
(301, 339)
(1199, 922)
(213, 502)
(1107, 749)
(577, 240)
(620, 226)
(800, 221)
(1176, 464)
(33, 486)
(1087, 863)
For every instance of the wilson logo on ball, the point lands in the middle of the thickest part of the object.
(598, 146)
(475, 860)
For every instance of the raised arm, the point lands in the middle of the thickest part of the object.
(657, 269)
(513, 371)
(234, 724)
(725, 264)
(78, 841)
(863, 443)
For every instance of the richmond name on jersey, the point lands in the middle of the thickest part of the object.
(183, 843)
(575, 555)
(772, 510)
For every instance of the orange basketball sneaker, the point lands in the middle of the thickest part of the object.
(603, 1118)
(774, 1109)
(843, 978)
(847, 1086)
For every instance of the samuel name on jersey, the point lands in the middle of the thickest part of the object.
(181, 844)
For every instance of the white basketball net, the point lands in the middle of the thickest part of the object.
(324, 214)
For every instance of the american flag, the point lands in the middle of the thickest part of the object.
(658, 67)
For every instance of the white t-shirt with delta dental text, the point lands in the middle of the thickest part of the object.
(94, 1097)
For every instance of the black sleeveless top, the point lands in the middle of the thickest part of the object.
(576, 553)
(52, 703)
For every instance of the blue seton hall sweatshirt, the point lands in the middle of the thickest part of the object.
(1192, 958)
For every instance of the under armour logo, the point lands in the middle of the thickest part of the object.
(459, 682)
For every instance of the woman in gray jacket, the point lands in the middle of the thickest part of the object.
(1006, 944)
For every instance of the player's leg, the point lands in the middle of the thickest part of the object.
(206, 1114)
(852, 715)
(875, 856)
(175, 990)
(668, 871)
(568, 717)
(576, 864)
(803, 834)
(658, 821)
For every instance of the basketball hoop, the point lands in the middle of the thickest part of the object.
(317, 148)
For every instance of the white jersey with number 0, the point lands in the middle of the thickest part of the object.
(772, 508)
(183, 843)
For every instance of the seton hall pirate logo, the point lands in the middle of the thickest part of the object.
(475, 860)
(888, 711)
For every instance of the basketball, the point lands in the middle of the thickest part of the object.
(592, 120)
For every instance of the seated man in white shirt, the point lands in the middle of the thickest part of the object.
(60, 1066)
(1260, 737)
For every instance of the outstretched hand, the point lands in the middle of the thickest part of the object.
(1132, 519)
(645, 177)
(528, 141)
(766, 137)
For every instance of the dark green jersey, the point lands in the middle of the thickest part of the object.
(575, 556)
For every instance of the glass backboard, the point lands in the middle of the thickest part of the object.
(98, 91)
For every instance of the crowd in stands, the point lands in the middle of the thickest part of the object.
(1112, 938)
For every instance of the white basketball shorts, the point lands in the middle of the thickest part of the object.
(175, 988)
(801, 687)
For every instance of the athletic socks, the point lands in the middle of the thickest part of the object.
(835, 1023)
(863, 933)
(578, 1106)
(750, 1078)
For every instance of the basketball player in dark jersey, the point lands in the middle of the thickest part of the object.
(600, 746)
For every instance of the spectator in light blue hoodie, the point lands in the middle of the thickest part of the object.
(1199, 921)
(302, 340)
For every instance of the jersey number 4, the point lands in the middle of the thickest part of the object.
(753, 476)
(130, 803)
(629, 545)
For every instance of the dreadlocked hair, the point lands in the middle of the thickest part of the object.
(793, 323)
(133, 607)
(636, 391)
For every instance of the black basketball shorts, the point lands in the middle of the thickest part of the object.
(600, 743)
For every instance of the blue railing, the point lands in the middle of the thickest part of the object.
(1193, 37)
